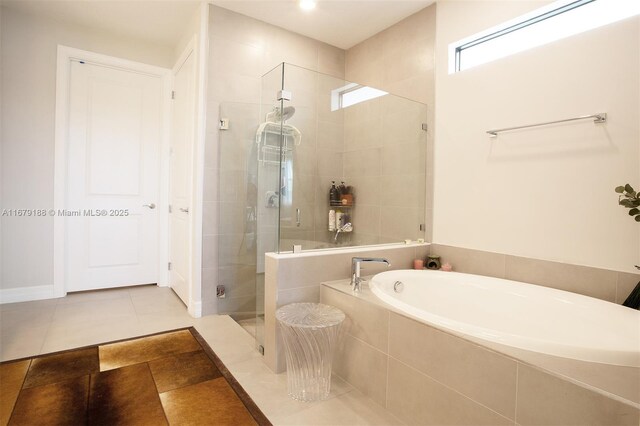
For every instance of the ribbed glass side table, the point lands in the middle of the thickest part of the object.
(310, 332)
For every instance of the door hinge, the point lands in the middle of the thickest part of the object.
(169, 266)
(169, 208)
(173, 94)
(425, 127)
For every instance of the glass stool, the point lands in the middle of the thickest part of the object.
(310, 332)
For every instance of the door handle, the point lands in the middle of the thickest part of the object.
(298, 217)
(184, 210)
(151, 206)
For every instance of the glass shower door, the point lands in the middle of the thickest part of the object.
(237, 226)
(266, 156)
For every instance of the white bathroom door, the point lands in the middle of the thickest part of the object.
(182, 137)
(114, 137)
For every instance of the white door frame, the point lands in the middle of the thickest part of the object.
(63, 74)
(194, 304)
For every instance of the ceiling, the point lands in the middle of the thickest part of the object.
(152, 20)
(341, 23)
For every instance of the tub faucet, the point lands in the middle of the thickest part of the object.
(355, 269)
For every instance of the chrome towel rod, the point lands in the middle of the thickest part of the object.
(597, 118)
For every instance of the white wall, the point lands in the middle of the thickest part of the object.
(28, 54)
(544, 193)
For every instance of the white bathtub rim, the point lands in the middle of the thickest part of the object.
(477, 333)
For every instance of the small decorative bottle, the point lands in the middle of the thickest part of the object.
(433, 262)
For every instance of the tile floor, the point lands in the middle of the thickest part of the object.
(33, 328)
(159, 379)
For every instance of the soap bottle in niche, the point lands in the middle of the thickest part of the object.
(334, 195)
(346, 196)
(342, 189)
(339, 219)
(332, 220)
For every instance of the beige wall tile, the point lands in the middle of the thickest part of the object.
(419, 400)
(237, 27)
(367, 189)
(455, 362)
(360, 135)
(329, 164)
(331, 60)
(404, 158)
(364, 162)
(285, 46)
(298, 295)
(364, 367)
(235, 57)
(471, 261)
(366, 219)
(547, 400)
(400, 223)
(272, 346)
(225, 87)
(625, 284)
(403, 190)
(310, 271)
(365, 321)
(592, 282)
(330, 134)
(619, 380)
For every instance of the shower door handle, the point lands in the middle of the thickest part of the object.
(298, 218)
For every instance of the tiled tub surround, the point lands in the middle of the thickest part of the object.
(425, 375)
(297, 277)
(612, 286)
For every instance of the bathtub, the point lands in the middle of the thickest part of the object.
(515, 314)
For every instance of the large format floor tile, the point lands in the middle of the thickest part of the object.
(75, 326)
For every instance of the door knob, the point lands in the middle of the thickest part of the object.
(151, 206)
(184, 210)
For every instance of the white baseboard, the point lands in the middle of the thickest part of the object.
(195, 309)
(26, 294)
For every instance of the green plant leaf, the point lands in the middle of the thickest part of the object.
(629, 189)
(638, 218)
(619, 189)
(634, 212)
(626, 202)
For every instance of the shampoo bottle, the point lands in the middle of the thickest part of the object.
(334, 195)
(332, 220)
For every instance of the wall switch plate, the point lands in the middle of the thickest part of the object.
(224, 124)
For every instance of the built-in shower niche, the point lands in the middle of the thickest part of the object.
(315, 129)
